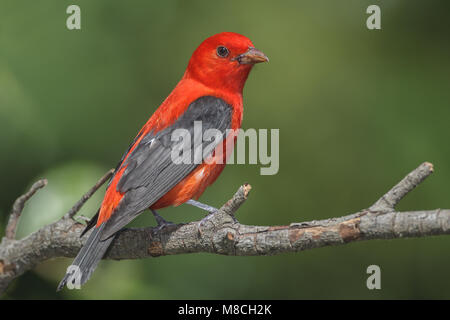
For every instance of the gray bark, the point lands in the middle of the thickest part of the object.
(222, 233)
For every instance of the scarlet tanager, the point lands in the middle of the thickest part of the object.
(146, 177)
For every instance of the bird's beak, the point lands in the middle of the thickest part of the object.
(252, 56)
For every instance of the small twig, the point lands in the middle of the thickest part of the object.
(389, 200)
(77, 206)
(232, 205)
(18, 208)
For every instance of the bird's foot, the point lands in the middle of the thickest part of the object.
(205, 220)
(162, 223)
(211, 211)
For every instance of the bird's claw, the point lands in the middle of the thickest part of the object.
(204, 220)
(163, 224)
(170, 226)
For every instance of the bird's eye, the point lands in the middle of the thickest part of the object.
(222, 52)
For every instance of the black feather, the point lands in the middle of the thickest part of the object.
(90, 224)
(88, 258)
(150, 171)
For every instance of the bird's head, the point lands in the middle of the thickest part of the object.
(223, 61)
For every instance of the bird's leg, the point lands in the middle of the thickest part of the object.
(162, 223)
(202, 206)
(211, 211)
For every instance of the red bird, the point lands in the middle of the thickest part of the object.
(210, 91)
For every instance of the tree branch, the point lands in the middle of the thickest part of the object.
(388, 202)
(18, 206)
(223, 234)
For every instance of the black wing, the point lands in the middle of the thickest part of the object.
(151, 172)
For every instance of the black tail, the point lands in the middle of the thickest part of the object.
(79, 272)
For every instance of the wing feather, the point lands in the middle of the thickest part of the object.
(150, 172)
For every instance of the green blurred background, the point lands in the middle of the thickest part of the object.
(357, 110)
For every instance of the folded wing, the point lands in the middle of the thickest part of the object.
(150, 170)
